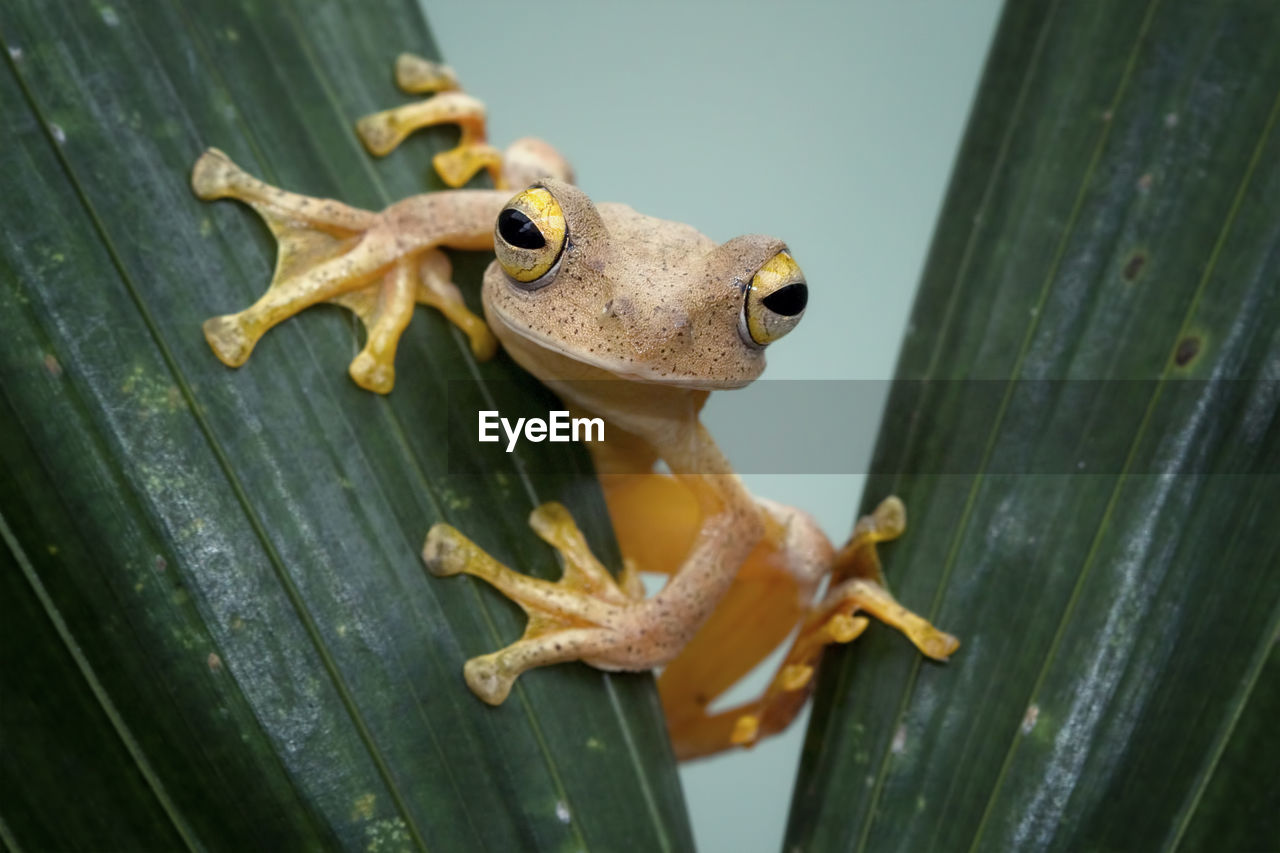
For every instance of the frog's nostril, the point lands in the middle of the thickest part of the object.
(788, 301)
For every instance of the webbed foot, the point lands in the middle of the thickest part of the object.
(382, 132)
(569, 619)
(857, 588)
(835, 620)
(330, 252)
(523, 163)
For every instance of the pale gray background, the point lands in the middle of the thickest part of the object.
(831, 125)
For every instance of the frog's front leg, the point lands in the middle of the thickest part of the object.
(524, 162)
(376, 264)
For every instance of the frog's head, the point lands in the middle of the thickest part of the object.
(638, 297)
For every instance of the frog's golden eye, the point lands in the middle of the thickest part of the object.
(529, 236)
(775, 300)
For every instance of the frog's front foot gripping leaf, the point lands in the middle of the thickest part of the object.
(583, 616)
(378, 264)
(330, 252)
(524, 161)
(382, 132)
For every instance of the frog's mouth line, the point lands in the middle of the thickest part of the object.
(623, 370)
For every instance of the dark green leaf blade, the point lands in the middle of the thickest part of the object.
(46, 690)
(236, 552)
(1113, 221)
(1234, 806)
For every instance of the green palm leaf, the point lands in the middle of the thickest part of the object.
(1114, 215)
(216, 629)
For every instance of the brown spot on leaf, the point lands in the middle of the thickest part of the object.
(1133, 266)
(1188, 349)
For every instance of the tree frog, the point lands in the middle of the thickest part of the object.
(625, 317)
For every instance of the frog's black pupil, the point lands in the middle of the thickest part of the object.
(788, 301)
(519, 230)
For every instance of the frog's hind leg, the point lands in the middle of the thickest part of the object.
(331, 252)
(693, 680)
(857, 587)
(524, 162)
(565, 617)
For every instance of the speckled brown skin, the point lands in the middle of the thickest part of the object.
(636, 321)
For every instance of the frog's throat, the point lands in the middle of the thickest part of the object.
(546, 359)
